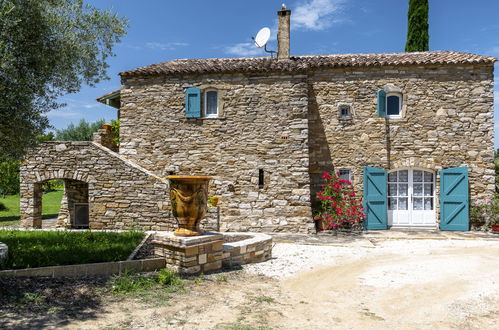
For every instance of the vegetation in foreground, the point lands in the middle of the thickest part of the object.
(51, 203)
(29, 249)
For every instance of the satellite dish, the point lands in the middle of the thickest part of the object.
(262, 37)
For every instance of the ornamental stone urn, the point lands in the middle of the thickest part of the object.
(189, 197)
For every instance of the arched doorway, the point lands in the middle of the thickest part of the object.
(411, 198)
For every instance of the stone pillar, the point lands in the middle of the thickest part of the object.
(4, 253)
(105, 137)
(31, 205)
(63, 217)
(283, 43)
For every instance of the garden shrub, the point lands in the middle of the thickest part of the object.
(340, 208)
(484, 214)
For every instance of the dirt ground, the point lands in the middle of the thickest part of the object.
(390, 285)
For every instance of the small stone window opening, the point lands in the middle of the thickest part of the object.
(260, 179)
(345, 174)
(393, 105)
(210, 104)
(344, 111)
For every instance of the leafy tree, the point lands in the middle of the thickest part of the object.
(47, 49)
(417, 31)
(82, 132)
(9, 177)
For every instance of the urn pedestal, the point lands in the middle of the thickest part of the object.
(189, 197)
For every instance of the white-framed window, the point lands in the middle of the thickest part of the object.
(210, 109)
(345, 174)
(393, 105)
(344, 111)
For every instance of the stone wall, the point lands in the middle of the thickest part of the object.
(120, 193)
(263, 125)
(288, 125)
(447, 122)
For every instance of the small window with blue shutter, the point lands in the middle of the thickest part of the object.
(389, 104)
(193, 102)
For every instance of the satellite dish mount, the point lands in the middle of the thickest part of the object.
(261, 39)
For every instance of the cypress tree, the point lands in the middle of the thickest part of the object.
(417, 31)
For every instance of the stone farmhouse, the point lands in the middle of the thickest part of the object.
(412, 131)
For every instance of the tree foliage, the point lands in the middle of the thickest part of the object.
(9, 177)
(47, 49)
(418, 38)
(82, 132)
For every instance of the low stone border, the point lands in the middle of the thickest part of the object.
(84, 270)
(256, 248)
(3, 253)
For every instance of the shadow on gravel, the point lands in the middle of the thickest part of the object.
(34, 303)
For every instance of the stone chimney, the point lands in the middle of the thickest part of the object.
(284, 17)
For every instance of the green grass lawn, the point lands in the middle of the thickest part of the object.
(51, 203)
(28, 249)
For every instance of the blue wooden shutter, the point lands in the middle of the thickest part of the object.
(381, 103)
(193, 102)
(375, 203)
(454, 200)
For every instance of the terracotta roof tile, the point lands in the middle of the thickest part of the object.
(303, 63)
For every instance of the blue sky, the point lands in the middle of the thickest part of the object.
(164, 30)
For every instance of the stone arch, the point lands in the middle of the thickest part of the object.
(64, 174)
(414, 162)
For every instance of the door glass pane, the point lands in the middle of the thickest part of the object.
(418, 203)
(403, 176)
(403, 189)
(428, 189)
(417, 176)
(392, 189)
(392, 177)
(417, 189)
(428, 204)
(392, 203)
(403, 204)
(428, 177)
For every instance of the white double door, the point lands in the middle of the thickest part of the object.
(411, 198)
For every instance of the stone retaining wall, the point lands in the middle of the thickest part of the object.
(86, 270)
(254, 248)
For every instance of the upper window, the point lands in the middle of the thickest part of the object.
(393, 106)
(210, 104)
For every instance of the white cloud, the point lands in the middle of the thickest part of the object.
(244, 49)
(317, 14)
(60, 113)
(165, 46)
(91, 105)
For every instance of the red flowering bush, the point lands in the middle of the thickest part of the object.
(340, 206)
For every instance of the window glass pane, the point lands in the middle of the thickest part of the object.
(403, 204)
(344, 174)
(392, 203)
(428, 204)
(417, 176)
(428, 189)
(417, 189)
(403, 176)
(393, 105)
(344, 111)
(392, 190)
(418, 204)
(392, 177)
(428, 177)
(403, 189)
(211, 103)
